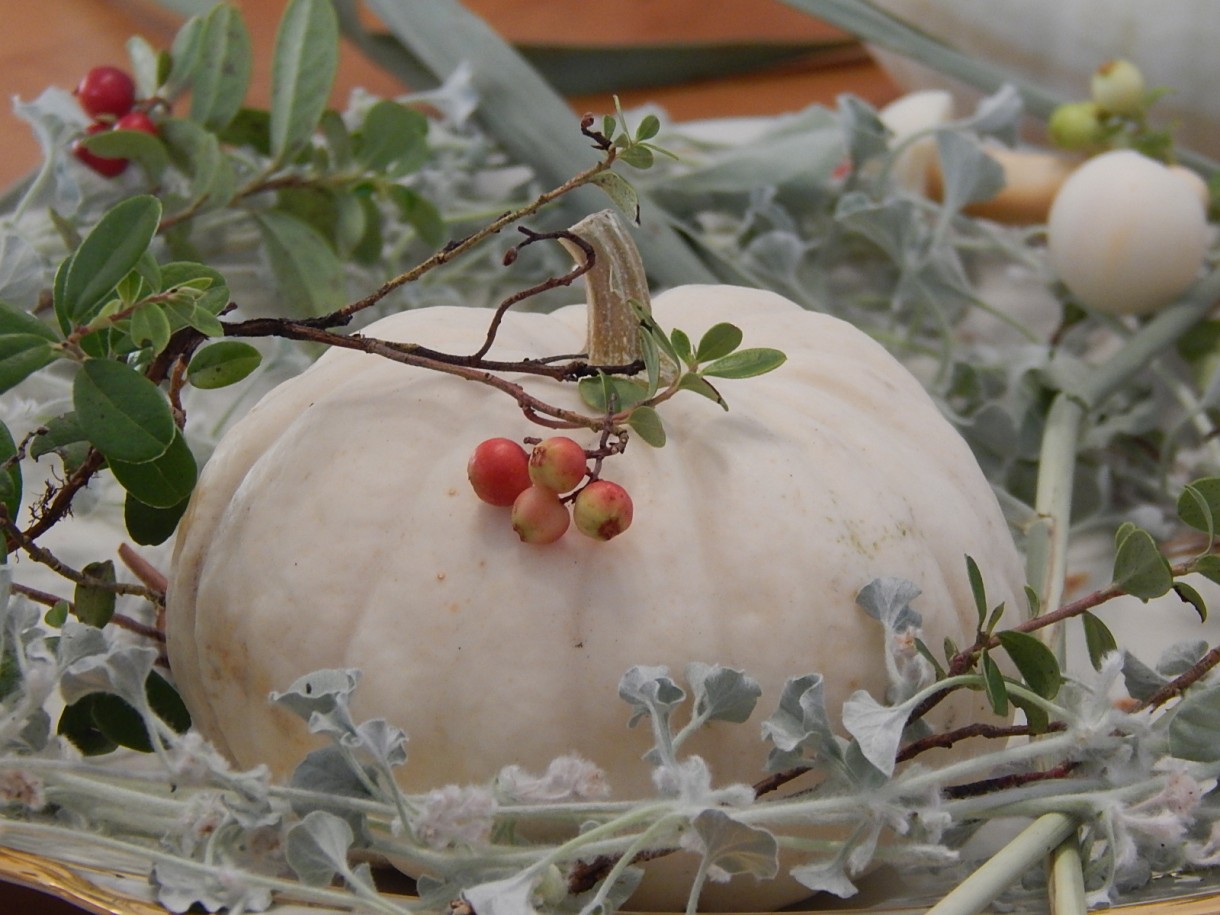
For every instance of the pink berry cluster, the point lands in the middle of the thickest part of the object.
(108, 95)
(534, 485)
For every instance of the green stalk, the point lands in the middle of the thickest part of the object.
(615, 280)
(1006, 866)
(1066, 888)
(1046, 552)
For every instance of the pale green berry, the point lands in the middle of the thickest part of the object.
(1077, 126)
(1118, 88)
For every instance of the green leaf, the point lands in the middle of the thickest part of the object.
(92, 605)
(163, 482)
(1194, 726)
(745, 363)
(78, 727)
(419, 213)
(1035, 661)
(649, 127)
(304, 63)
(597, 392)
(146, 63)
(307, 268)
(13, 320)
(993, 685)
(1036, 717)
(184, 53)
(1139, 568)
(140, 147)
(223, 363)
(250, 127)
(57, 615)
(10, 477)
(99, 723)
(978, 589)
(150, 526)
(640, 157)
(720, 340)
(1199, 505)
(692, 382)
(149, 326)
(621, 193)
(922, 647)
(1190, 596)
(393, 139)
(109, 253)
(646, 422)
(681, 344)
(1098, 639)
(122, 413)
(63, 436)
(222, 68)
(21, 355)
(197, 153)
(1208, 566)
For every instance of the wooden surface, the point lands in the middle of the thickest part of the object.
(52, 42)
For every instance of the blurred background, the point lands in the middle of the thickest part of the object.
(55, 41)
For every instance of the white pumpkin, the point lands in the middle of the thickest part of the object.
(334, 527)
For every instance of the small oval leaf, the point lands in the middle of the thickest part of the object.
(304, 63)
(163, 482)
(223, 363)
(720, 340)
(109, 253)
(1034, 660)
(646, 423)
(745, 363)
(122, 413)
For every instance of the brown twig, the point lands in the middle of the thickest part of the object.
(554, 282)
(1016, 780)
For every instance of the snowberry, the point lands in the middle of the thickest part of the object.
(1118, 88)
(498, 471)
(1077, 126)
(104, 165)
(539, 516)
(558, 464)
(1126, 234)
(106, 91)
(602, 510)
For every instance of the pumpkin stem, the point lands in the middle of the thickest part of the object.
(616, 279)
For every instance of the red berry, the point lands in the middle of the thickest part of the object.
(106, 91)
(558, 464)
(498, 471)
(103, 165)
(136, 120)
(602, 510)
(539, 516)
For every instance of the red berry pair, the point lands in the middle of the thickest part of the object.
(503, 474)
(108, 95)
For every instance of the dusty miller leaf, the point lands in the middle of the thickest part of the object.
(801, 725)
(722, 693)
(735, 847)
(317, 847)
(888, 600)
